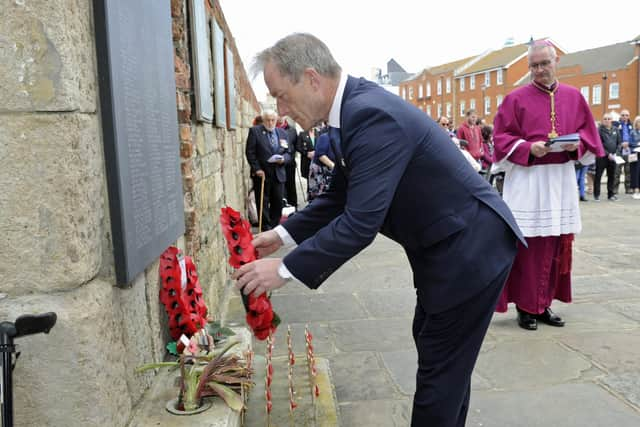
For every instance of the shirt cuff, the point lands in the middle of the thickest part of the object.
(284, 272)
(286, 238)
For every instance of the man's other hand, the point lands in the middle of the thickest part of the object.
(267, 243)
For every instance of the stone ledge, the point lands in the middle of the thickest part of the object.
(151, 411)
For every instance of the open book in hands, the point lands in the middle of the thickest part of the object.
(557, 144)
(276, 158)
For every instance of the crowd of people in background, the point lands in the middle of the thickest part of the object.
(620, 138)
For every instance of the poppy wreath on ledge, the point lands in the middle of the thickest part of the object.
(237, 231)
(181, 294)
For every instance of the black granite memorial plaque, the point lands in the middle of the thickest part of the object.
(140, 130)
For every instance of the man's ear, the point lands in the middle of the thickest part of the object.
(313, 77)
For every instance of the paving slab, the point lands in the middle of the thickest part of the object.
(516, 365)
(566, 405)
(372, 335)
(616, 351)
(376, 413)
(361, 376)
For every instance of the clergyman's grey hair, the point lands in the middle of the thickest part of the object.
(542, 44)
(295, 53)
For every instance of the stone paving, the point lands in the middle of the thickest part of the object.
(585, 374)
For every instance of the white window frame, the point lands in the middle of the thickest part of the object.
(439, 87)
(596, 95)
(487, 78)
(448, 85)
(499, 77)
(420, 91)
(447, 109)
(429, 110)
(472, 104)
(487, 105)
(584, 90)
(462, 84)
(428, 89)
(614, 90)
(410, 92)
(462, 108)
(439, 110)
(499, 99)
(472, 82)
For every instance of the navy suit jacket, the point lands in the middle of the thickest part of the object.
(404, 177)
(258, 150)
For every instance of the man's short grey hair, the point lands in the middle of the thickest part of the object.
(295, 53)
(542, 44)
(269, 112)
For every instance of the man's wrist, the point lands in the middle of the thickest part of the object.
(284, 273)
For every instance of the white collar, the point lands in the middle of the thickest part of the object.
(334, 113)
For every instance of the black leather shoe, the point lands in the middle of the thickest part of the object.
(550, 318)
(527, 321)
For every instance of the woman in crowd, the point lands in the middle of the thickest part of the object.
(321, 167)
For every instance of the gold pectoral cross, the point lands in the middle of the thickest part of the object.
(553, 133)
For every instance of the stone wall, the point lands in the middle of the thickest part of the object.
(54, 218)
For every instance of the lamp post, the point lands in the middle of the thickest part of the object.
(604, 93)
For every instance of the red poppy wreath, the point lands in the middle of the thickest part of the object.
(237, 231)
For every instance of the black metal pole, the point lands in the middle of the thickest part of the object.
(7, 333)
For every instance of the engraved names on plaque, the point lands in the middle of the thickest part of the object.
(139, 121)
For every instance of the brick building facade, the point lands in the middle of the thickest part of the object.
(608, 77)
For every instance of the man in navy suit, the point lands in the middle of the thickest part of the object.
(398, 174)
(268, 152)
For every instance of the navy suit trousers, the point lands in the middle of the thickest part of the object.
(448, 344)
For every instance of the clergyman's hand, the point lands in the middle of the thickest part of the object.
(259, 276)
(570, 147)
(539, 149)
(267, 243)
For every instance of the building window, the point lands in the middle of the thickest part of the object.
(614, 90)
(448, 109)
(499, 77)
(487, 78)
(462, 108)
(472, 104)
(428, 89)
(439, 110)
(472, 82)
(498, 100)
(404, 92)
(487, 105)
(462, 84)
(420, 94)
(597, 95)
(448, 85)
(429, 110)
(410, 92)
(584, 90)
(439, 87)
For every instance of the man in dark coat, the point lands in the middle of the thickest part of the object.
(268, 152)
(398, 174)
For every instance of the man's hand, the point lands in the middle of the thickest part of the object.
(539, 149)
(259, 276)
(267, 243)
(570, 147)
(260, 173)
(310, 154)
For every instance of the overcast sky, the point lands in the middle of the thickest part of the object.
(418, 34)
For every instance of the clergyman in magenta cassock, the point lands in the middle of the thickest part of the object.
(540, 183)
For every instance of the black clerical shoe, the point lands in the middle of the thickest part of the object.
(550, 318)
(527, 321)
